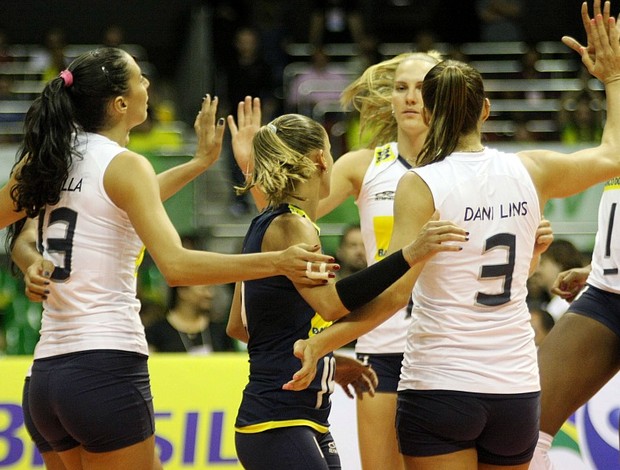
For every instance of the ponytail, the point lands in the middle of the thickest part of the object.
(453, 94)
(75, 101)
(47, 150)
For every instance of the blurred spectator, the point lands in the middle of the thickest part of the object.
(336, 21)
(529, 71)
(247, 74)
(425, 41)
(500, 20)
(189, 326)
(560, 256)
(367, 54)
(6, 87)
(522, 132)
(320, 82)
(5, 48)
(228, 16)
(51, 59)
(151, 311)
(542, 322)
(581, 118)
(196, 317)
(272, 21)
(113, 36)
(351, 254)
(153, 136)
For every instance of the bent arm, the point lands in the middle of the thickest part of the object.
(24, 252)
(178, 265)
(346, 180)
(30, 262)
(235, 327)
(413, 207)
(8, 214)
(557, 175)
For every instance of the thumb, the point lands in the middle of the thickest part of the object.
(47, 268)
(298, 349)
(311, 248)
(572, 43)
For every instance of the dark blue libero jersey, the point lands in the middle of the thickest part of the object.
(276, 316)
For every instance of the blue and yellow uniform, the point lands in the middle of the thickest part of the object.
(275, 316)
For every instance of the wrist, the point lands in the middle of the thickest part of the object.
(201, 161)
(409, 255)
(612, 79)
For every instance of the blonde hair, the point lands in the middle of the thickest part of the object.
(371, 96)
(282, 159)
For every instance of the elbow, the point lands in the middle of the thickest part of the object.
(172, 274)
(237, 333)
(333, 312)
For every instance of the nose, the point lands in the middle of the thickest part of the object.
(412, 95)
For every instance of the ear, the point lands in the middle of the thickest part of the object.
(120, 105)
(486, 109)
(321, 160)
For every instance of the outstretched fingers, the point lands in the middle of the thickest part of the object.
(304, 376)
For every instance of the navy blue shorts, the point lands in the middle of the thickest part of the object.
(600, 305)
(387, 367)
(98, 399)
(290, 448)
(502, 428)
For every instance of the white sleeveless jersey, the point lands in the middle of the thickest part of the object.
(470, 328)
(95, 250)
(376, 208)
(606, 253)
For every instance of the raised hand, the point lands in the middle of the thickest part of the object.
(585, 18)
(602, 54)
(243, 132)
(210, 135)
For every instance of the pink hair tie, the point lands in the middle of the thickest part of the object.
(67, 77)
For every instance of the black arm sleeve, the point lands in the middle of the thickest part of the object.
(363, 286)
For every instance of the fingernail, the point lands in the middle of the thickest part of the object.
(332, 260)
(337, 267)
(466, 239)
(46, 292)
(331, 275)
(220, 122)
(46, 273)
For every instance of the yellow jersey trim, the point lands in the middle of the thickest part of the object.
(260, 427)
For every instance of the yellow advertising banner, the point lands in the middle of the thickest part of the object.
(196, 401)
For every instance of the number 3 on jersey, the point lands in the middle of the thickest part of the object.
(61, 245)
(506, 241)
